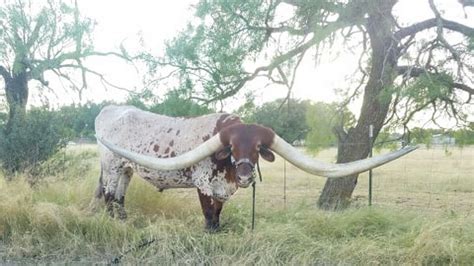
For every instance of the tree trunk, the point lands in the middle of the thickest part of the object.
(355, 144)
(16, 90)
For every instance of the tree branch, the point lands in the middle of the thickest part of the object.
(268, 29)
(466, 2)
(5, 74)
(101, 77)
(439, 30)
(463, 87)
(289, 84)
(275, 62)
(413, 72)
(431, 23)
(410, 71)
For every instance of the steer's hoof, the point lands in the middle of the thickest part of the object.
(212, 228)
(122, 215)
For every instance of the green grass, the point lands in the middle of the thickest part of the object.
(51, 223)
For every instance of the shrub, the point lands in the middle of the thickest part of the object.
(67, 165)
(25, 145)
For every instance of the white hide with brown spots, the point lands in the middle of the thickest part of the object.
(163, 137)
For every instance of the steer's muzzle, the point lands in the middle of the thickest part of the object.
(244, 171)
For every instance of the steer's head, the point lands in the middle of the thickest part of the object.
(244, 144)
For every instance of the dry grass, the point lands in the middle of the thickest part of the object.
(422, 215)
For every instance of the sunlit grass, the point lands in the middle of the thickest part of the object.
(51, 222)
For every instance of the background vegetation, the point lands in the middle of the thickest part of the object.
(24, 146)
(47, 131)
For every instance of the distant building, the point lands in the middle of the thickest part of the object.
(299, 143)
(440, 139)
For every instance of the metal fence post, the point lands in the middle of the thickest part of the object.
(371, 136)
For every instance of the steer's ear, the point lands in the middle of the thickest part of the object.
(266, 154)
(224, 153)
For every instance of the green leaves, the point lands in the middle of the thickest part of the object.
(32, 142)
(175, 103)
(35, 37)
(429, 87)
(212, 50)
(470, 45)
(286, 119)
(322, 119)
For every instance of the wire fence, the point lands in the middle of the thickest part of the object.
(440, 178)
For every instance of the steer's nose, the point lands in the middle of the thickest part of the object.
(244, 173)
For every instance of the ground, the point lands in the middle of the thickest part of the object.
(422, 214)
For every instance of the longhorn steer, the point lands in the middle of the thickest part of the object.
(214, 153)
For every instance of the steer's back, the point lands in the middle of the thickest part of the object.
(146, 132)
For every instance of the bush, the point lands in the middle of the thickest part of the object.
(80, 119)
(69, 164)
(288, 124)
(25, 145)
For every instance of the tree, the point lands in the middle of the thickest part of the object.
(247, 109)
(79, 120)
(421, 136)
(286, 118)
(175, 103)
(465, 136)
(37, 39)
(40, 38)
(405, 67)
(323, 119)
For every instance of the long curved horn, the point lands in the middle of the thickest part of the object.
(174, 163)
(330, 170)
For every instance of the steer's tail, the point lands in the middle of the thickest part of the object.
(99, 192)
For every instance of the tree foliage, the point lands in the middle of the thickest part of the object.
(464, 136)
(323, 119)
(287, 119)
(51, 36)
(421, 136)
(27, 145)
(175, 103)
(79, 120)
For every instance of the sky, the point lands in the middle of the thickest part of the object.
(124, 21)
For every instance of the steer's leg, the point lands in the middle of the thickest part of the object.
(211, 209)
(116, 176)
(122, 186)
(217, 212)
(99, 193)
(111, 178)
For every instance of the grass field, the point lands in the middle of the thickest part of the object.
(422, 214)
